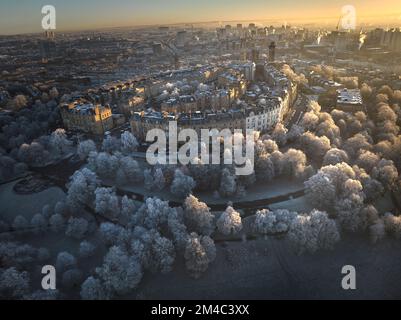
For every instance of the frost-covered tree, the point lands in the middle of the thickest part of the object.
(13, 284)
(196, 257)
(159, 180)
(386, 173)
(334, 156)
(38, 223)
(82, 188)
(128, 208)
(315, 147)
(111, 144)
(328, 184)
(294, 163)
(272, 222)
(349, 213)
(59, 141)
(280, 134)
(128, 171)
(61, 208)
(46, 211)
(77, 228)
(153, 213)
(149, 181)
(197, 216)
(129, 143)
(182, 184)
(93, 289)
(229, 222)
(162, 253)
(228, 183)
(65, 261)
(57, 222)
(377, 231)
(309, 233)
(85, 148)
(367, 160)
(120, 273)
(106, 203)
(16, 255)
(113, 234)
(392, 225)
(20, 223)
(264, 168)
(179, 232)
(106, 165)
(86, 249)
(355, 144)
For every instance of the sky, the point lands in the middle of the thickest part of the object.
(24, 16)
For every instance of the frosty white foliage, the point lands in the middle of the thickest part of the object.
(113, 234)
(111, 144)
(159, 181)
(197, 216)
(272, 222)
(393, 225)
(38, 223)
(120, 273)
(82, 187)
(228, 183)
(323, 188)
(86, 249)
(129, 171)
(76, 228)
(334, 156)
(57, 222)
(152, 213)
(85, 148)
(20, 223)
(129, 143)
(179, 231)
(128, 208)
(309, 233)
(60, 208)
(162, 253)
(377, 231)
(148, 179)
(229, 222)
(13, 284)
(105, 164)
(92, 289)
(196, 257)
(106, 203)
(59, 141)
(65, 261)
(182, 184)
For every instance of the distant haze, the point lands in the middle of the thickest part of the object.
(24, 16)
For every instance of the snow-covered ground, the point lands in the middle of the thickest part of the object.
(267, 269)
(13, 204)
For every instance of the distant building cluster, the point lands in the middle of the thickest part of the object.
(87, 117)
(349, 99)
(231, 101)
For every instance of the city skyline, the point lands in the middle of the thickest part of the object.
(25, 17)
